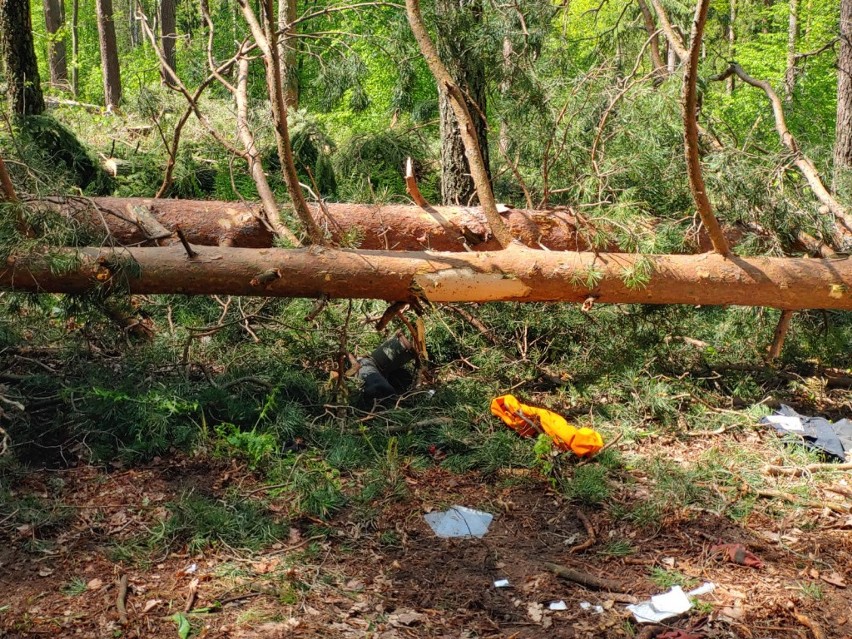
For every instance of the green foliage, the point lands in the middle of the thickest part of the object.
(59, 147)
(200, 522)
(372, 165)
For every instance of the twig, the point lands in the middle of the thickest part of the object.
(121, 600)
(797, 471)
(185, 242)
(458, 102)
(590, 532)
(192, 596)
(796, 501)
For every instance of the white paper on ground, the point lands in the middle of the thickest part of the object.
(668, 604)
(558, 605)
(501, 583)
(661, 607)
(704, 589)
(459, 521)
(787, 422)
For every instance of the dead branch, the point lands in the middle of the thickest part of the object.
(798, 501)
(585, 578)
(121, 600)
(802, 161)
(798, 471)
(252, 157)
(457, 100)
(651, 28)
(591, 538)
(780, 335)
(266, 37)
(690, 134)
(675, 41)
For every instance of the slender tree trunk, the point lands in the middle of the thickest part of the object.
(467, 70)
(519, 275)
(792, 34)
(690, 135)
(54, 20)
(109, 54)
(18, 53)
(168, 35)
(651, 30)
(75, 45)
(288, 47)
(732, 42)
(843, 139)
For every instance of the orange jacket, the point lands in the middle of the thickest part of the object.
(529, 421)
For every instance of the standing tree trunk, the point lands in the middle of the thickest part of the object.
(109, 54)
(843, 139)
(732, 42)
(651, 29)
(18, 53)
(455, 21)
(54, 20)
(168, 35)
(288, 47)
(792, 34)
(75, 44)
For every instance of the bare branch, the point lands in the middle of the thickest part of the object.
(472, 150)
(690, 134)
(802, 161)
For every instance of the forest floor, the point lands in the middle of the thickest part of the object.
(385, 574)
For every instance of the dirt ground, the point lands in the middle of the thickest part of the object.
(389, 576)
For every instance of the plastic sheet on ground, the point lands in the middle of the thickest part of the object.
(831, 438)
(460, 522)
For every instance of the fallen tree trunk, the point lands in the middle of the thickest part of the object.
(373, 227)
(515, 274)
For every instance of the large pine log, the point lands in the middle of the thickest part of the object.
(380, 227)
(516, 274)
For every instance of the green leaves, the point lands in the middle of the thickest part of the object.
(183, 626)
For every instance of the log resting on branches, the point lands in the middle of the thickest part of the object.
(515, 274)
(381, 227)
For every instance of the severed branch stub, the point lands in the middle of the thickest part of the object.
(182, 236)
(411, 186)
(266, 278)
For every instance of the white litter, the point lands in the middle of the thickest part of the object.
(787, 422)
(501, 583)
(668, 604)
(459, 521)
(558, 605)
(585, 605)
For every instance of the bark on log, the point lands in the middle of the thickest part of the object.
(387, 227)
(515, 274)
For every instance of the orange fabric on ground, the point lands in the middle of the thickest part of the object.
(529, 421)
